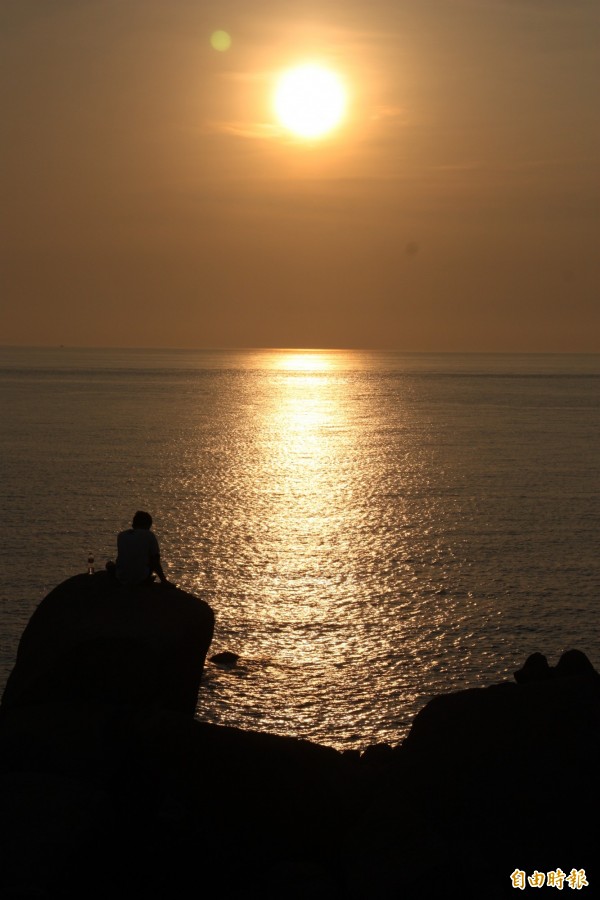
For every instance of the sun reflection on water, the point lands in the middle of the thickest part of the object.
(308, 457)
(305, 360)
(319, 554)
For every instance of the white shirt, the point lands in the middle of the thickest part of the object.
(136, 548)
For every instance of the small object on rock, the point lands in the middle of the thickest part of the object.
(226, 658)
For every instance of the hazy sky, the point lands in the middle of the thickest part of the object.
(149, 198)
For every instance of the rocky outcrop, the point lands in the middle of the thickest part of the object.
(96, 662)
(108, 796)
(95, 641)
(490, 780)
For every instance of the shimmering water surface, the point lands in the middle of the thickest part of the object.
(370, 528)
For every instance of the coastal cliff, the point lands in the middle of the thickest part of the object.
(111, 788)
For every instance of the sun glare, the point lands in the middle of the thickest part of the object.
(306, 361)
(310, 101)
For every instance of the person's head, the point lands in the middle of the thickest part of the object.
(142, 520)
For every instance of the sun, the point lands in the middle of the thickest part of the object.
(310, 100)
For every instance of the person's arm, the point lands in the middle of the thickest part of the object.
(155, 563)
(156, 566)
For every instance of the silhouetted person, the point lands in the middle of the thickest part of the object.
(138, 553)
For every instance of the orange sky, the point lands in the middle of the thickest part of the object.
(149, 198)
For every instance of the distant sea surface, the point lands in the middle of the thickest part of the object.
(369, 528)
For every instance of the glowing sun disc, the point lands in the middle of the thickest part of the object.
(310, 101)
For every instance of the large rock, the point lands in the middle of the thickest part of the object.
(549, 718)
(92, 640)
(94, 664)
(489, 780)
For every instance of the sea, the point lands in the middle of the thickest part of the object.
(370, 528)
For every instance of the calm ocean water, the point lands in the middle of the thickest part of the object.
(370, 528)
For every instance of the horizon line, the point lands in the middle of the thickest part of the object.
(299, 349)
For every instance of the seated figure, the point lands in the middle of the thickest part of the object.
(138, 553)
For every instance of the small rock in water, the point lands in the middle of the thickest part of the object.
(226, 658)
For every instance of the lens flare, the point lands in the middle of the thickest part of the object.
(220, 40)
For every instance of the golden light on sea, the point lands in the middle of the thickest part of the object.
(302, 360)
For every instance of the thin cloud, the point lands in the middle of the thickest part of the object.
(251, 130)
(390, 113)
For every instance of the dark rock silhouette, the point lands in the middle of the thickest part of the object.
(574, 662)
(226, 658)
(536, 667)
(94, 641)
(106, 794)
(512, 773)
